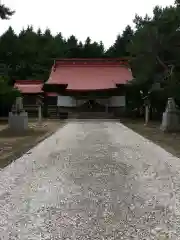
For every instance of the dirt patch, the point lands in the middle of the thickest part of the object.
(13, 145)
(168, 141)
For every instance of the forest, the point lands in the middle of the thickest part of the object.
(152, 48)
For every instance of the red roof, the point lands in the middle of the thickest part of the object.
(90, 74)
(29, 86)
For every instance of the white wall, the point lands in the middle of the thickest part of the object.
(66, 101)
(117, 101)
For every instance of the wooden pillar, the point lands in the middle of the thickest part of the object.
(39, 114)
(147, 107)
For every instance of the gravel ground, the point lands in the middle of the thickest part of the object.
(91, 180)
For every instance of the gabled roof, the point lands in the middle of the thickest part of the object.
(29, 86)
(90, 74)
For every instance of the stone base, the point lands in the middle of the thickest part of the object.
(18, 122)
(170, 122)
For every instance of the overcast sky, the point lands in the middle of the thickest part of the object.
(99, 19)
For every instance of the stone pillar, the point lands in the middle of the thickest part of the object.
(171, 117)
(18, 118)
(18, 122)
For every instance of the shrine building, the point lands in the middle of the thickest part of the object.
(77, 86)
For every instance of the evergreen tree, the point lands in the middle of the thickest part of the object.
(72, 47)
(5, 12)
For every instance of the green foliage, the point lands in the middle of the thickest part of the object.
(5, 12)
(7, 93)
(155, 45)
(120, 47)
(155, 54)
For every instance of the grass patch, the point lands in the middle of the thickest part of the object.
(14, 145)
(169, 141)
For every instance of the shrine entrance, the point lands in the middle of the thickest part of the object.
(93, 108)
(91, 105)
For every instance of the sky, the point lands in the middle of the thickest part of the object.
(99, 19)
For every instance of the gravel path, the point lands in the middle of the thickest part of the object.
(91, 180)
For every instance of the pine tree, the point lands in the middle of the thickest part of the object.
(5, 12)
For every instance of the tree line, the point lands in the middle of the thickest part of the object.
(30, 54)
(152, 47)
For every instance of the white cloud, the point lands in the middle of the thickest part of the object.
(99, 19)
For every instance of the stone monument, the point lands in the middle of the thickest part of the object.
(171, 117)
(18, 118)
